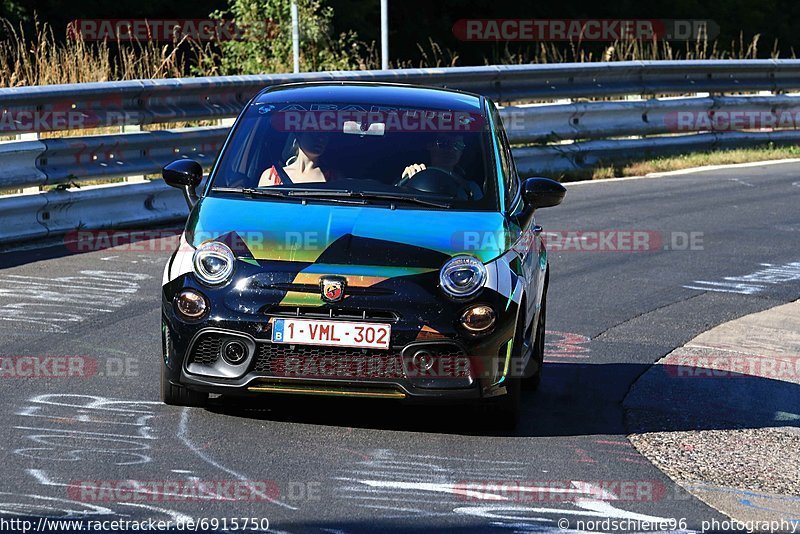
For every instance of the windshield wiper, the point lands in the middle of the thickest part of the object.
(367, 195)
(333, 195)
(249, 191)
(286, 193)
(377, 195)
(320, 193)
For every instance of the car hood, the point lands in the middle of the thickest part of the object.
(348, 235)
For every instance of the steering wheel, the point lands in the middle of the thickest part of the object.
(437, 181)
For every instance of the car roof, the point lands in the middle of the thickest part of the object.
(372, 94)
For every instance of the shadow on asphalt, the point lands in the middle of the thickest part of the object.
(573, 400)
(161, 240)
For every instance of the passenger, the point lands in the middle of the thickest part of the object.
(305, 166)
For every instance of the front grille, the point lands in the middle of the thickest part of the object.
(326, 362)
(314, 288)
(311, 361)
(332, 313)
(206, 350)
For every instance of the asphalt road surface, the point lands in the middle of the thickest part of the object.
(718, 245)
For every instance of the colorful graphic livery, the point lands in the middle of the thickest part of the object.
(368, 240)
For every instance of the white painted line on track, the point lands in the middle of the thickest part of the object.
(183, 435)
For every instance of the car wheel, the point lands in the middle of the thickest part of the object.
(532, 382)
(179, 395)
(504, 411)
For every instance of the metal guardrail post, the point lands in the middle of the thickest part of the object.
(29, 136)
(139, 178)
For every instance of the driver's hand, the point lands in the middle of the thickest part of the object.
(413, 169)
(269, 178)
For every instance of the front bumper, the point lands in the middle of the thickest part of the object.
(336, 371)
(464, 368)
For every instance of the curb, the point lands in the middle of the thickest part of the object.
(721, 416)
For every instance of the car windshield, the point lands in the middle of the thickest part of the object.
(439, 158)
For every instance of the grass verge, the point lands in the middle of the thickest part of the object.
(634, 167)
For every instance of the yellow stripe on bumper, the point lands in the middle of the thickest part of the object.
(334, 392)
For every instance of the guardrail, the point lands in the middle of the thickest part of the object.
(57, 212)
(554, 135)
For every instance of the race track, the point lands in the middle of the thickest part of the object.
(354, 465)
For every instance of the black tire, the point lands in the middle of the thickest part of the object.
(504, 411)
(532, 382)
(179, 395)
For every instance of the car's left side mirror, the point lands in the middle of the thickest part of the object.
(543, 192)
(184, 174)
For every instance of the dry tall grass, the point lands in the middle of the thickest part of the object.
(633, 49)
(43, 59)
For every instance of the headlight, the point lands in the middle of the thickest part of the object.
(462, 276)
(213, 262)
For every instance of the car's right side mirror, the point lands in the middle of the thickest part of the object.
(543, 192)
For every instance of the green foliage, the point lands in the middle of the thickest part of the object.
(11, 9)
(267, 43)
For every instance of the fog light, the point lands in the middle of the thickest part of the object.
(422, 360)
(478, 319)
(191, 304)
(234, 352)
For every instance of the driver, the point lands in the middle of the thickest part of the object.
(303, 168)
(445, 153)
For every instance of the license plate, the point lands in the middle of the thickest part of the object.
(331, 333)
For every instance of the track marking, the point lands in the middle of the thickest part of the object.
(740, 181)
(42, 478)
(591, 509)
(752, 283)
(177, 517)
(88, 509)
(101, 414)
(183, 435)
(53, 303)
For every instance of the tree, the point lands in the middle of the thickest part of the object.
(267, 43)
(12, 11)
